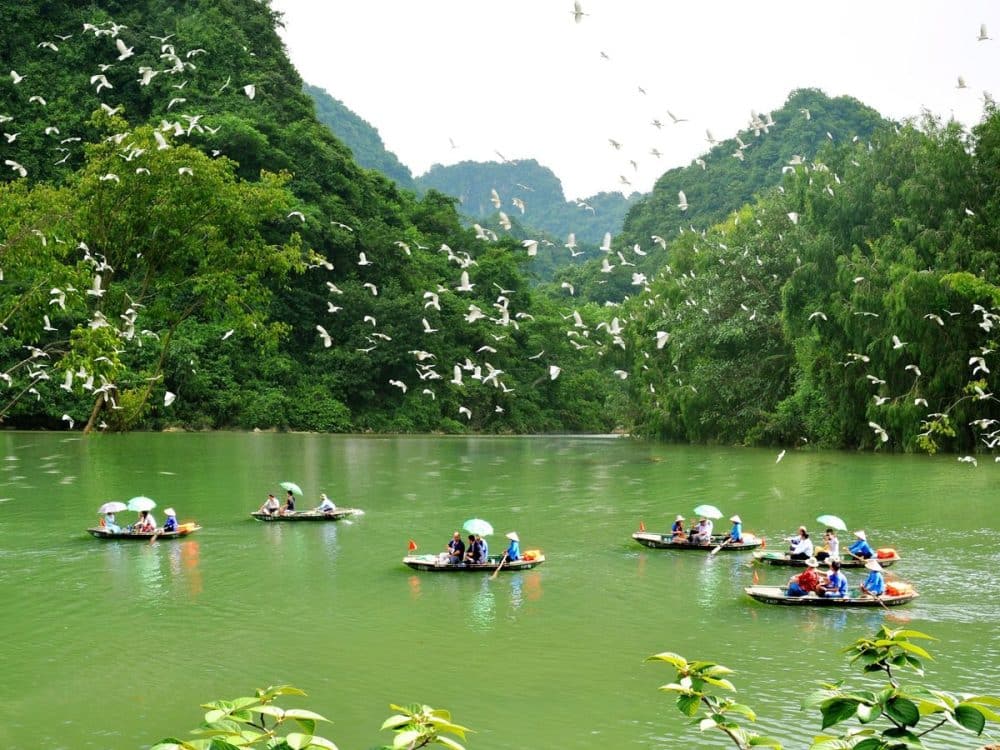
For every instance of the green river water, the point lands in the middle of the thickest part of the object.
(115, 644)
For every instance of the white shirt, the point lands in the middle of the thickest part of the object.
(833, 547)
(326, 505)
(803, 546)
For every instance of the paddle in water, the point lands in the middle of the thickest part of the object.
(502, 561)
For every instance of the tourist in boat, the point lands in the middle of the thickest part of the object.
(289, 506)
(109, 523)
(806, 581)
(474, 551)
(677, 533)
(513, 552)
(831, 547)
(861, 550)
(326, 505)
(702, 533)
(455, 549)
(171, 523)
(874, 584)
(835, 586)
(270, 506)
(802, 547)
(145, 524)
(485, 547)
(735, 533)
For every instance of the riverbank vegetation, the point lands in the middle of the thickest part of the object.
(184, 244)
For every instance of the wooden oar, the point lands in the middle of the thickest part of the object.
(720, 546)
(502, 561)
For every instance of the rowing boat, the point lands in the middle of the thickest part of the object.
(665, 541)
(434, 564)
(781, 558)
(307, 515)
(778, 595)
(102, 532)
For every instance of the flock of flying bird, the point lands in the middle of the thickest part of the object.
(502, 313)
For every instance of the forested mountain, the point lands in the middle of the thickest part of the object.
(183, 242)
(526, 184)
(360, 136)
(856, 306)
(729, 175)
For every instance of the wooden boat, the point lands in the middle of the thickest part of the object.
(102, 532)
(665, 541)
(433, 564)
(778, 595)
(307, 515)
(781, 558)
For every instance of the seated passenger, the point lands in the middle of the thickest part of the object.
(455, 549)
(289, 506)
(861, 549)
(677, 533)
(835, 586)
(831, 546)
(485, 547)
(171, 523)
(702, 533)
(146, 522)
(326, 505)
(474, 551)
(109, 523)
(802, 549)
(806, 581)
(270, 506)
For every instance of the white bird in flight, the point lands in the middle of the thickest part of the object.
(577, 11)
(327, 341)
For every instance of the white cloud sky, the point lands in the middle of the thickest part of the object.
(521, 78)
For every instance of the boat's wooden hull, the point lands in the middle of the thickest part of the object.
(306, 515)
(432, 563)
(781, 558)
(665, 541)
(184, 530)
(777, 595)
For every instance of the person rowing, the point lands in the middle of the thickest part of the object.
(874, 584)
(861, 550)
(326, 505)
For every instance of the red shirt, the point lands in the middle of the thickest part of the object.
(808, 580)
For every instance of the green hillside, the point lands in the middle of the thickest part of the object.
(184, 243)
(360, 136)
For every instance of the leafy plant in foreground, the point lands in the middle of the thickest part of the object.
(898, 709)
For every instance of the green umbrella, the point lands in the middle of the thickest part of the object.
(291, 487)
(834, 522)
(709, 511)
(478, 526)
(140, 503)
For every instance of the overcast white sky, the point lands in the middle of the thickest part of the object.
(520, 77)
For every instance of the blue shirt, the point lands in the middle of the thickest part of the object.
(861, 548)
(838, 582)
(874, 583)
(170, 524)
(736, 533)
(514, 551)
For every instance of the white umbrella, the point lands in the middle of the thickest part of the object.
(113, 506)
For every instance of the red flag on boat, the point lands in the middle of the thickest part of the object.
(763, 543)
(642, 525)
(412, 546)
(756, 578)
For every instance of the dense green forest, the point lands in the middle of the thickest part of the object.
(184, 243)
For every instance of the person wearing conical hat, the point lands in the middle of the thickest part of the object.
(735, 533)
(513, 552)
(874, 584)
(171, 523)
(861, 550)
(677, 533)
